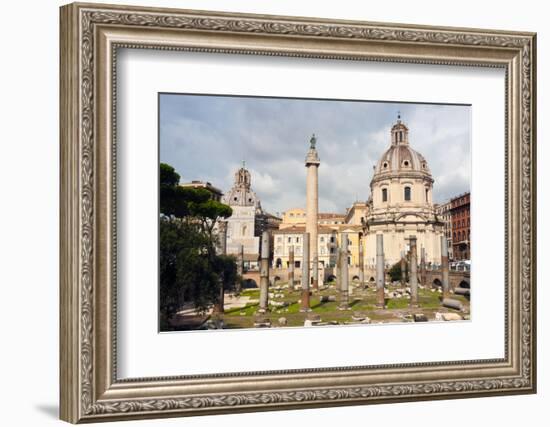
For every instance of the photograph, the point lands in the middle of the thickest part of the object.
(298, 212)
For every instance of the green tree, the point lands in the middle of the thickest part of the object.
(184, 270)
(395, 272)
(190, 269)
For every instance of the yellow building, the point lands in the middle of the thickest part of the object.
(331, 226)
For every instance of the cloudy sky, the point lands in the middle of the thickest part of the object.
(207, 138)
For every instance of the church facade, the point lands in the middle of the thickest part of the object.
(400, 204)
(248, 220)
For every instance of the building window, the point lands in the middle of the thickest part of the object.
(290, 240)
(427, 195)
(322, 239)
(279, 239)
(297, 240)
(331, 239)
(331, 250)
(385, 165)
(408, 194)
(384, 194)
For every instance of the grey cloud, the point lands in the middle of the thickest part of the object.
(207, 137)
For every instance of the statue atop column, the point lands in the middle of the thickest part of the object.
(312, 142)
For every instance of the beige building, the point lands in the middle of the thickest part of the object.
(401, 203)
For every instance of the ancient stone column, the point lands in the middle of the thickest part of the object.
(291, 267)
(413, 274)
(315, 273)
(445, 266)
(240, 268)
(344, 273)
(361, 265)
(312, 204)
(403, 268)
(264, 273)
(338, 264)
(305, 274)
(380, 273)
(222, 237)
(423, 266)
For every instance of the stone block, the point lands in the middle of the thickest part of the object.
(282, 321)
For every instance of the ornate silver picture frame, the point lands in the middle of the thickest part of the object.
(91, 37)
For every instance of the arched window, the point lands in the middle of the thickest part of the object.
(454, 235)
(384, 194)
(408, 194)
(427, 194)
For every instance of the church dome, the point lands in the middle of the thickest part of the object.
(400, 158)
(241, 193)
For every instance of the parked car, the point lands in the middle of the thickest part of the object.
(463, 265)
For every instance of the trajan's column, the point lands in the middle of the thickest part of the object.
(312, 206)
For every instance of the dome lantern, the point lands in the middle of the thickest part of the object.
(399, 132)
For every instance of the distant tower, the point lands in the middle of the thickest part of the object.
(312, 203)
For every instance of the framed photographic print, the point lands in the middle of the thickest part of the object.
(266, 212)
